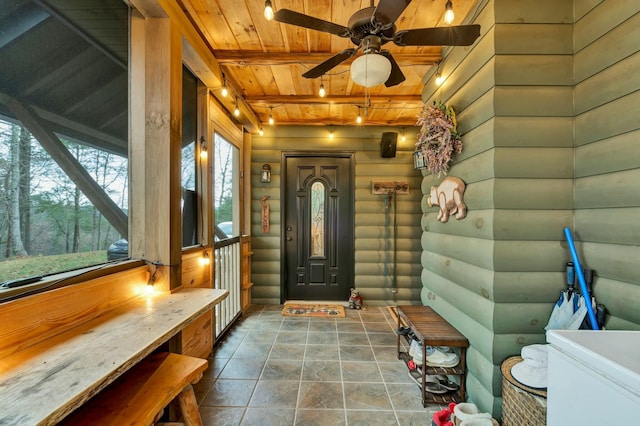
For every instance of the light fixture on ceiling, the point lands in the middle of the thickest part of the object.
(322, 93)
(268, 10)
(225, 90)
(236, 111)
(403, 137)
(260, 130)
(448, 13)
(271, 120)
(359, 119)
(331, 132)
(371, 68)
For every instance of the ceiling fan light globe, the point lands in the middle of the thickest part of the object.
(370, 70)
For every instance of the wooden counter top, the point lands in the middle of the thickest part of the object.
(45, 382)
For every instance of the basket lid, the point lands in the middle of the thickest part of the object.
(506, 373)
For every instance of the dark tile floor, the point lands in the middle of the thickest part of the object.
(275, 370)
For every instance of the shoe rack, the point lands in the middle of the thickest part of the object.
(433, 330)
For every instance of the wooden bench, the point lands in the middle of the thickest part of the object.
(140, 395)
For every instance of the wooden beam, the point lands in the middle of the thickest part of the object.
(67, 162)
(250, 58)
(333, 99)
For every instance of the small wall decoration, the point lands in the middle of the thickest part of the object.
(438, 138)
(449, 197)
(265, 215)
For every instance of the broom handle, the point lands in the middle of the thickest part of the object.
(583, 284)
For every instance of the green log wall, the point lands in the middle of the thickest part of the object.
(373, 236)
(533, 81)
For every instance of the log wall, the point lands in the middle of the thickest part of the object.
(373, 239)
(542, 72)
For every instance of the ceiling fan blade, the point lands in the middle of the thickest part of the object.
(396, 77)
(287, 16)
(460, 35)
(388, 11)
(330, 63)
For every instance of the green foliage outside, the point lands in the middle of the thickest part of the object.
(29, 266)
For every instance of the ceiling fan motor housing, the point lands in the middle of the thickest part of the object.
(362, 24)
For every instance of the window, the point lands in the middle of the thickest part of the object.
(63, 137)
(189, 166)
(226, 188)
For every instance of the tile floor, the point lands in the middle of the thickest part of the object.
(275, 370)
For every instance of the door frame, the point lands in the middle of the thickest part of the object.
(350, 155)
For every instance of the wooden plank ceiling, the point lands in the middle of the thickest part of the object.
(263, 61)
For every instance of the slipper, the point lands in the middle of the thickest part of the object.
(446, 383)
(429, 386)
(403, 331)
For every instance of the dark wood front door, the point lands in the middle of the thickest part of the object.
(318, 227)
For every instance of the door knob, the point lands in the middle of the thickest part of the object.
(289, 238)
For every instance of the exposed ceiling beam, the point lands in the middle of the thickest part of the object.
(234, 57)
(332, 99)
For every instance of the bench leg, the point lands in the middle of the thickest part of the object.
(189, 407)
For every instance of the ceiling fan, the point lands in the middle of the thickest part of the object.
(369, 29)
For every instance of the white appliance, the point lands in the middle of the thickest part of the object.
(594, 378)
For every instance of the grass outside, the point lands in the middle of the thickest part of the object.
(22, 267)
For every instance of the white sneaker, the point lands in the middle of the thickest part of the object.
(436, 358)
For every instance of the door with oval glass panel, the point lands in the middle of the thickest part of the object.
(318, 227)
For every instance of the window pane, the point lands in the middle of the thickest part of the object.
(63, 137)
(226, 188)
(189, 167)
(317, 219)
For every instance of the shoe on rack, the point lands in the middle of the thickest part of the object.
(403, 331)
(415, 351)
(466, 414)
(446, 383)
(436, 358)
(430, 385)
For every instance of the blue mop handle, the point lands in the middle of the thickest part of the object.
(583, 284)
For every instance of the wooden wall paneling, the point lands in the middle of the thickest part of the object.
(620, 79)
(597, 55)
(197, 337)
(26, 323)
(621, 299)
(593, 24)
(530, 256)
(541, 39)
(613, 261)
(480, 111)
(477, 224)
(611, 119)
(609, 225)
(531, 163)
(617, 153)
(533, 131)
(533, 11)
(555, 101)
(475, 251)
(473, 169)
(540, 194)
(537, 70)
(530, 225)
(581, 8)
(618, 189)
(515, 287)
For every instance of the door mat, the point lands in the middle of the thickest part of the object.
(311, 310)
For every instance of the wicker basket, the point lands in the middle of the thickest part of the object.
(521, 406)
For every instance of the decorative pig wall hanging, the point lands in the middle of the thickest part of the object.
(448, 195)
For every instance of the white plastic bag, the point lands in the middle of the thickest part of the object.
(562, 312)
